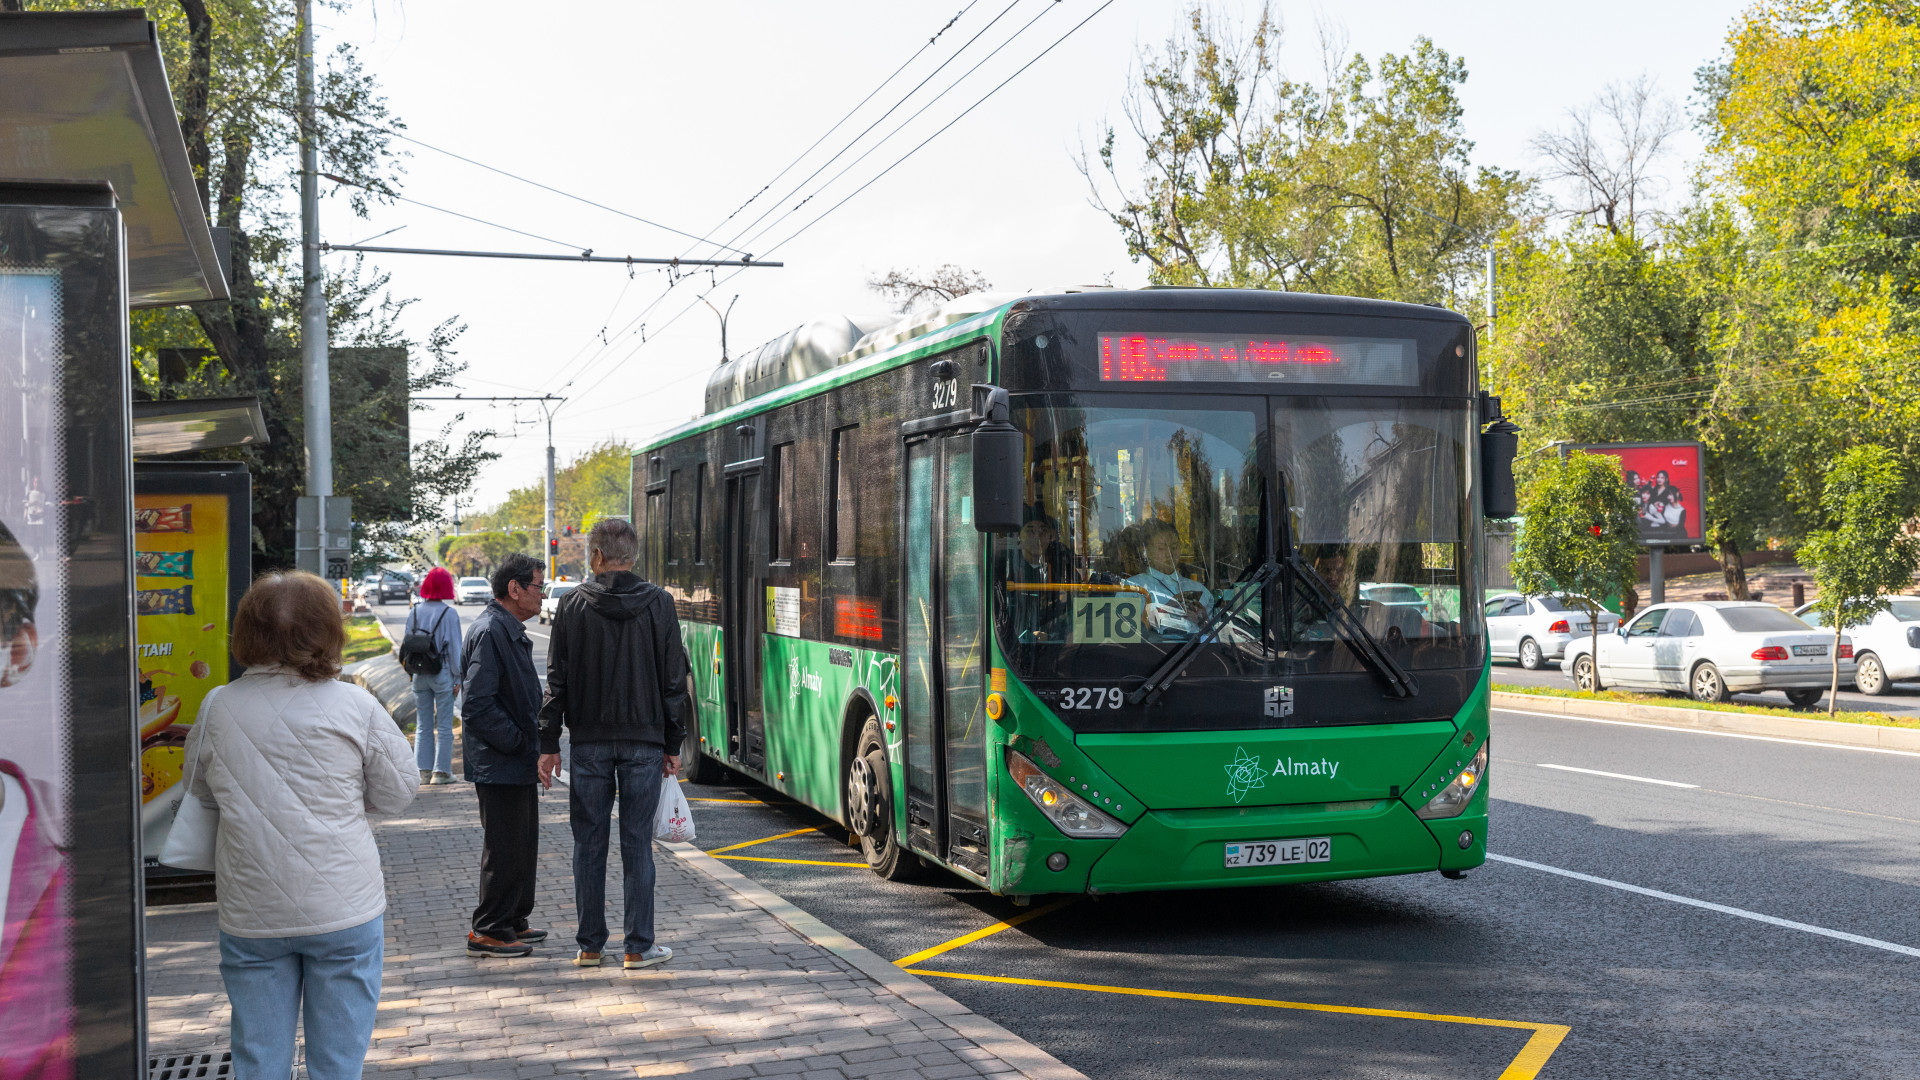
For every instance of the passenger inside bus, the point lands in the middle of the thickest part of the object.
(1038, 560)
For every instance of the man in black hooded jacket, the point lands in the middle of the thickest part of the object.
(617, 677)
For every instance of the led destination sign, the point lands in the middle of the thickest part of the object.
(1126, 357)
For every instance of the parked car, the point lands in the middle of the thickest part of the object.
(1713, 650)
(1536, 629)
(1884, 649)
(472, 590)
(550, 603)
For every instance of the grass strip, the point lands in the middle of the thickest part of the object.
(364, 639)
(1676, 702)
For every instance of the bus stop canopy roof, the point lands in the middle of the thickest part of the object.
(87, 100)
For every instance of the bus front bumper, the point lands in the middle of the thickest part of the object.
(1186, 849)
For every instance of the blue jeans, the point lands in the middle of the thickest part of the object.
(598, 771)
(336, 976)
(433, 726)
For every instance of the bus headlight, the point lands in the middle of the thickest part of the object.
(1452, 800)
(1069, 813)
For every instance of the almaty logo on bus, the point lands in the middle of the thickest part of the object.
(1247, 774)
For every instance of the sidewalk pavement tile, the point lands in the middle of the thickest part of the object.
(755, 989)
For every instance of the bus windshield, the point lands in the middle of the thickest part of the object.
(1143, 516)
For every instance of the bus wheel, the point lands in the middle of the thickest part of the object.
(697, 767)
(870, 808)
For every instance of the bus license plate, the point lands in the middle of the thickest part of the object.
(1279, 852)
(1809, 650)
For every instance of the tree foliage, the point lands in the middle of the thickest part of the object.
(595, 485)
(1360, 183)
(1580, 537)
(1868, 552)
(233, 68)
(908, 288)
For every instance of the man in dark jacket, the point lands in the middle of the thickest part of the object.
(617, 678)
(500, 745)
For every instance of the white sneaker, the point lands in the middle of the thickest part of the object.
(426, 776)
(655, 954)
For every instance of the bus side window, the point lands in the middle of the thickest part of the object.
(782, 548)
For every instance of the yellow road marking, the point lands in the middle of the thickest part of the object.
(762, 840)
(794, 862)
(968, 939)
(1546, 1037)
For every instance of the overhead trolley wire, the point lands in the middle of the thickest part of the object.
(904, 98)
(857, 191)
(836, 124)
(796, 161)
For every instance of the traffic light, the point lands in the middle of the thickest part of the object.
(553, 547)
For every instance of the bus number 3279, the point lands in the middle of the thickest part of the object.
(1091, 697)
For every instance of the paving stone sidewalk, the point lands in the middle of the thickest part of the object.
(745, 995)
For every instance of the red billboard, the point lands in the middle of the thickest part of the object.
(1669, 491)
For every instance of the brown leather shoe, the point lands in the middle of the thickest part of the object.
(583, 958)
(482, 945)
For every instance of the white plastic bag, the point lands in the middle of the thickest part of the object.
(672, 820)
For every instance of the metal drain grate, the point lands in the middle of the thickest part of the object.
(199, 1065)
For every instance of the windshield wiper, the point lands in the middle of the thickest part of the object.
(1348, 628)
(1172, 667)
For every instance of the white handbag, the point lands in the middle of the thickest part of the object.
(196, 827)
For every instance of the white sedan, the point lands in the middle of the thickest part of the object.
(550, 603)
(1536, 629)
(1712, 650)
(1887, 647)
(472, 590)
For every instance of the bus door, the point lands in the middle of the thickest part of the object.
(743, 617)
(946, 763)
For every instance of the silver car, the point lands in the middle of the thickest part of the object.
(472, 590)
(550, 603)
(1886, 647)
(1713, 650)
(1536, 629)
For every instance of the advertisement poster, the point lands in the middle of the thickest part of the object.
(36, 873)
(1667, 485)
(181, 590)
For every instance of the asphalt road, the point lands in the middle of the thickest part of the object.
(1647, 985)
(1903, 701)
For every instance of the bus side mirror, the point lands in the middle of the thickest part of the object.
(1498, 445)
(998, 450)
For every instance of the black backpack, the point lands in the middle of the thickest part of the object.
(418, 653)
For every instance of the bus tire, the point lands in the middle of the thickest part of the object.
(696, 766)
(869, 795)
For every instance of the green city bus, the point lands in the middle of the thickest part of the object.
(1102, 591)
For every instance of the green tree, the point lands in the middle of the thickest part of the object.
(1868, 552)
(1361, 184)
(1578, 538)
(232, 67)
(595, 485)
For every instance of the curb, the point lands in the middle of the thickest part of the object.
(1032, 1061)
(1831, 732)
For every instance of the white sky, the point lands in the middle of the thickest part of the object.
(678, 112)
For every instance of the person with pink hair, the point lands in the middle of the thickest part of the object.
(435, 625)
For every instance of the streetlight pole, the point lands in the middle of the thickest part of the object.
(315, 382)
(549, 404)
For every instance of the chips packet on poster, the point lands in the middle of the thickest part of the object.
(164, 601)
(163, 563)
(163, 519)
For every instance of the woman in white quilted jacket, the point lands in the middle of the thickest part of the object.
(295, 761)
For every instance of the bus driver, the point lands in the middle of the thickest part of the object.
(1175, 605)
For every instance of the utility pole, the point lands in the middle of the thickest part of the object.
(1490, 307)
(549, 404)
(315, 382)
(547, 539)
